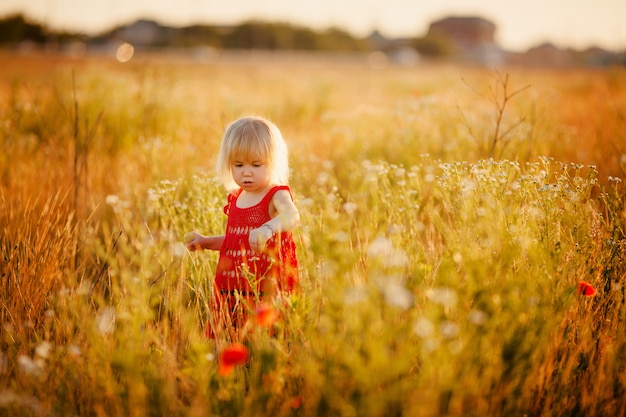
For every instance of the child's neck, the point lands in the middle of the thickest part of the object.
(252, 198)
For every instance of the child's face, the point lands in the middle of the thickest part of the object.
(251, 175)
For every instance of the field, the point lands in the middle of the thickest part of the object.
(462, 240)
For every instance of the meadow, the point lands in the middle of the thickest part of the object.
(462, 243)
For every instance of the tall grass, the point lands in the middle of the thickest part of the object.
(445, 232)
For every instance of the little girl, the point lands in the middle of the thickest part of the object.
(257, 253)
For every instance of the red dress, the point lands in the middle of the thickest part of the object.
(243, 276)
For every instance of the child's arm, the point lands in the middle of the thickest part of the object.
(195, 241)
(285, 217)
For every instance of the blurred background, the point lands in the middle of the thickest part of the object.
(491, 33)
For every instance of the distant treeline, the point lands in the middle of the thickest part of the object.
(17, 28)
(261, 35)
(247, 35)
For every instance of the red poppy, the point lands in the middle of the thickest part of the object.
(295, 402)
(586, 289)
(234, 355)
(266, 315)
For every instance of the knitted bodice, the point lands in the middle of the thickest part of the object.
(249, 272)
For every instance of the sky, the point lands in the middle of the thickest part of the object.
(520, 24)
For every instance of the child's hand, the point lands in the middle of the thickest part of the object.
(192, 241)
(258, 238)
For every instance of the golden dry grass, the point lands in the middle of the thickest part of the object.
(436, 280)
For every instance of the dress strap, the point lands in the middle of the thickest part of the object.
(274, 190)
(232, 197)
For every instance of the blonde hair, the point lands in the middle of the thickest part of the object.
(253, 138)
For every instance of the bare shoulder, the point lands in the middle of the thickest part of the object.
(282, 202)
(282, 194)
(282, 198)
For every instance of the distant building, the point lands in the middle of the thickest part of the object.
(598, 57)
(547, 55)
(398, 51)
(472, 38)
(143, 33)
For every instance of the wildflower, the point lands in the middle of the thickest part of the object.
(73, 350)
(178, 250)
(350, 208)
(43, 349)
(457, 258)
(265, 315)
(449, 329)
(112, 199)
(548, 187)
(323, 178)
(355, 295)
(235, 355)
(469, 186)
(447, 297)
(382, 248)
(152, 196)
(105, 321)
(477, 317)
(423, 327)
(586, 289)
(397, 295)
(341, 236)
(29, 366)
